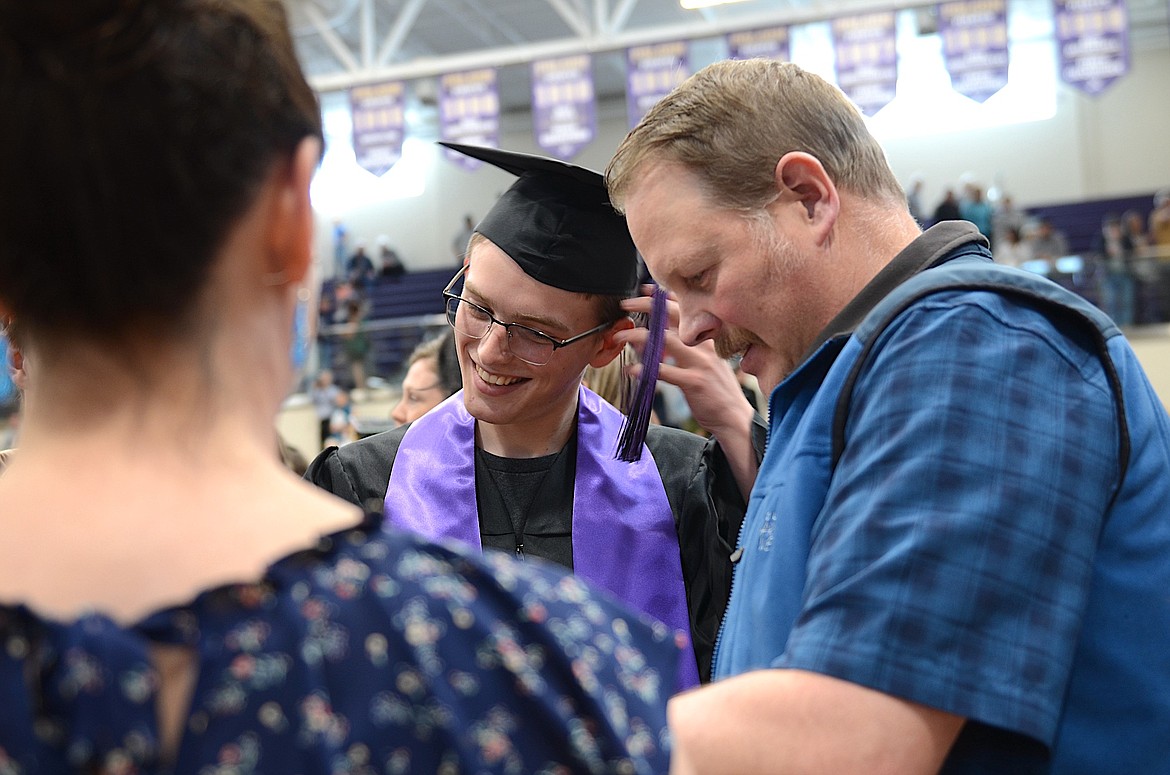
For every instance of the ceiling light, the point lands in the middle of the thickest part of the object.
(691, 5)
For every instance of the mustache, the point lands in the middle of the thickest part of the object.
(733, 343)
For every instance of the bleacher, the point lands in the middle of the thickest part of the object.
(406, 310)
(1082, 271)
(1081, 221)
(402, 312)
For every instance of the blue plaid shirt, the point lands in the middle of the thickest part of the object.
(954, 555)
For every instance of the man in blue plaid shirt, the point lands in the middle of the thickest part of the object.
(957, 553)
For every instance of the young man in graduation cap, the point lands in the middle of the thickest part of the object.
(523, 458)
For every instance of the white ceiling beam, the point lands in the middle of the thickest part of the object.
(601, 16)
(621, 15)
(476, 30)
(521, 54)
(576, 22)
(368, 33)
(485, 20)
(402, 26)
(331, 38)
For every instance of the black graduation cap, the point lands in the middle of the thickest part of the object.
(557, 223)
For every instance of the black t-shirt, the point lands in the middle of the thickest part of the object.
(526, 504)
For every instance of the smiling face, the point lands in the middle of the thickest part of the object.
(525, 402)
(740, 281)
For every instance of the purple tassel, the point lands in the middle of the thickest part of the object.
(633, 433)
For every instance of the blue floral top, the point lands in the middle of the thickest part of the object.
(373, 653)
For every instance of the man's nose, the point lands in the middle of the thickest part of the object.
(494, 344)
(695, 326)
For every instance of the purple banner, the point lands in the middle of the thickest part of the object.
(378, 125)
(867, 59)
(564, 111)
(469, 112)
(651, 73)
(1093, 39)
(771, 43)
(975, 46)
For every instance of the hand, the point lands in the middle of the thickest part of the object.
(707, 381)
(713, 393)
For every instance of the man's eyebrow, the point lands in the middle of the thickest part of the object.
(538, 321)
(684, 266)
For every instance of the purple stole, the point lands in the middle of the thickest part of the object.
(621, 517)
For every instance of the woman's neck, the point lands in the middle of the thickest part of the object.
(181, 399)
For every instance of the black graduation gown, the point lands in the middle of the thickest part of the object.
(700, 487)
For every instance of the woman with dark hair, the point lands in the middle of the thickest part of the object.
(432, 375)
(173, 599)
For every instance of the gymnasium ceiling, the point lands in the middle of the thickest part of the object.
(342, 43)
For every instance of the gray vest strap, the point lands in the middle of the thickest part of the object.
(980, 275)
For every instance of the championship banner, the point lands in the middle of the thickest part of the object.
(469, 112)
(867, 59)
(1093, 39)
(651, 73)
(975, 46)
(564, 111)
(378, 125)
(771, 43)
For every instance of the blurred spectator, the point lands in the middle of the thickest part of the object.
(1011, 249)
(9, 395)
(1117, 284)
(340, 249)
(355, 342)
(1146, 268)
(976, 209)
(1047, 243)
(330, 312)
(392, 265)
(947, 209)
(432, 375)
(360, 270)
(324, 397)
(1160, 222)
(14, 374)
(1134, 227)
(1007, 216)
(341, 430)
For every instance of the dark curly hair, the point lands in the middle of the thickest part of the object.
(134, 134)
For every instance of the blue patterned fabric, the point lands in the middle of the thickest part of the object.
(954, 537)
(374, 653)
(975, 548)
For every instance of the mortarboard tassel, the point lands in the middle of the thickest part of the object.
(633, 433)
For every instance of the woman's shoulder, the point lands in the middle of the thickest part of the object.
(374, 641)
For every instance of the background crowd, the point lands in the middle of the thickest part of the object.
(946, 549)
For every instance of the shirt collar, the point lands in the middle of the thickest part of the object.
(929, 249)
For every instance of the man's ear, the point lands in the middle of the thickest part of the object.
(802, 180)
(290, 225)
(610, 349)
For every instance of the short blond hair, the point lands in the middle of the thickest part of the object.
(732, 121)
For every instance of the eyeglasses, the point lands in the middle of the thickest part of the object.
(529, 345)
